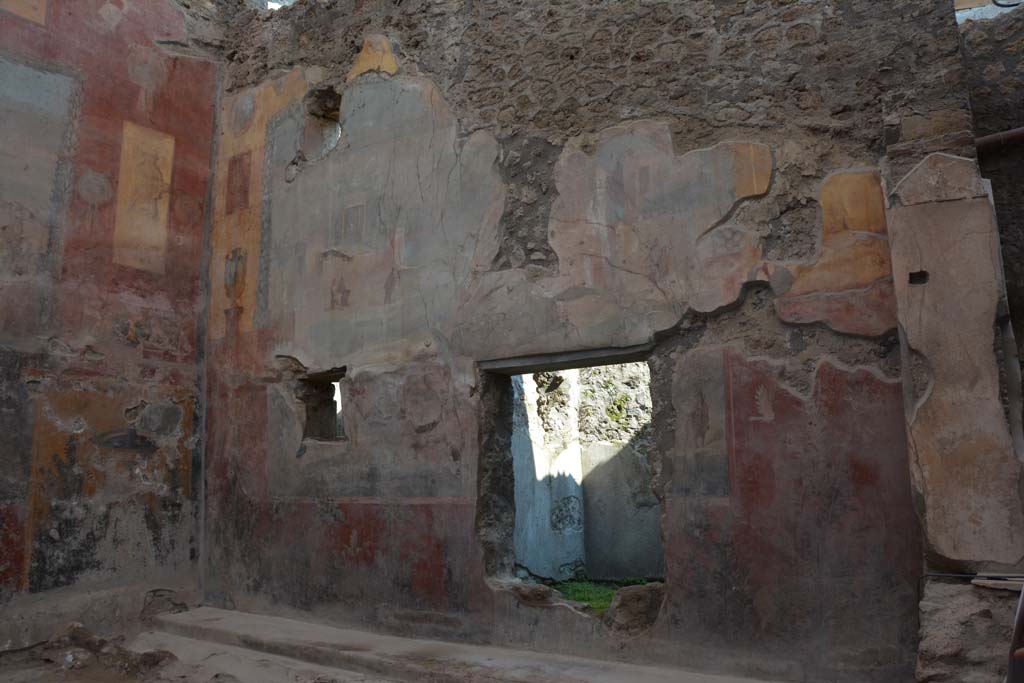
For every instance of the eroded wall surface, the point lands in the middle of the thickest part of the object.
(495, 180)
(964, 631)
(623, 514)
(104, 166)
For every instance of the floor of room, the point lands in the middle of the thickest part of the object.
(221, 646)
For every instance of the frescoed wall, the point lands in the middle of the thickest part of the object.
(374, 243)
(764, 201)
(104, 170)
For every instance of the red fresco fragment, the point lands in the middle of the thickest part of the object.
(173, 95)
(820, 496)
(358, 537)
(870, 312)
(238, 182)
(12, 546)
(422, 550)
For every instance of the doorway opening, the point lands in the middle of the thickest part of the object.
(579, 513)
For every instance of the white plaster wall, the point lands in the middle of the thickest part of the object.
(548, 491)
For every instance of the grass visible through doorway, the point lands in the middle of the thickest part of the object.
(597, 594)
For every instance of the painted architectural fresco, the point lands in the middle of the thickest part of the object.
(369, 245)
(143, 198)
(105, 165)
(384, 263)
(849, 287)
(238, 198)
(38, 109)
(371, 249)
(399, 252)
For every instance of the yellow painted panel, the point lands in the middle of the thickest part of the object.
(854, 251)
(33, 10)
(234, 268)
(143, 197)
(375, 56)
(753, 168)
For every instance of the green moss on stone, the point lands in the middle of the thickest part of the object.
(597, 594)
(618, 410)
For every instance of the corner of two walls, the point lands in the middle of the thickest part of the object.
(105, 160)
(325, 251)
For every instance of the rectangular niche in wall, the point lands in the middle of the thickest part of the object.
(584, 506)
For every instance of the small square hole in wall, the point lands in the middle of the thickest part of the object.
(919, 277)
(321, 394)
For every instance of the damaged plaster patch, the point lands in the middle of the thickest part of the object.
(962, 446)
(964, 632)
(323, 101)
(848, 285)
(634, 208)
(159, 419)
(527, 166)
(641, 235)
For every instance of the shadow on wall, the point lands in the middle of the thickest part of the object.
(584, 505)
(622, 530)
